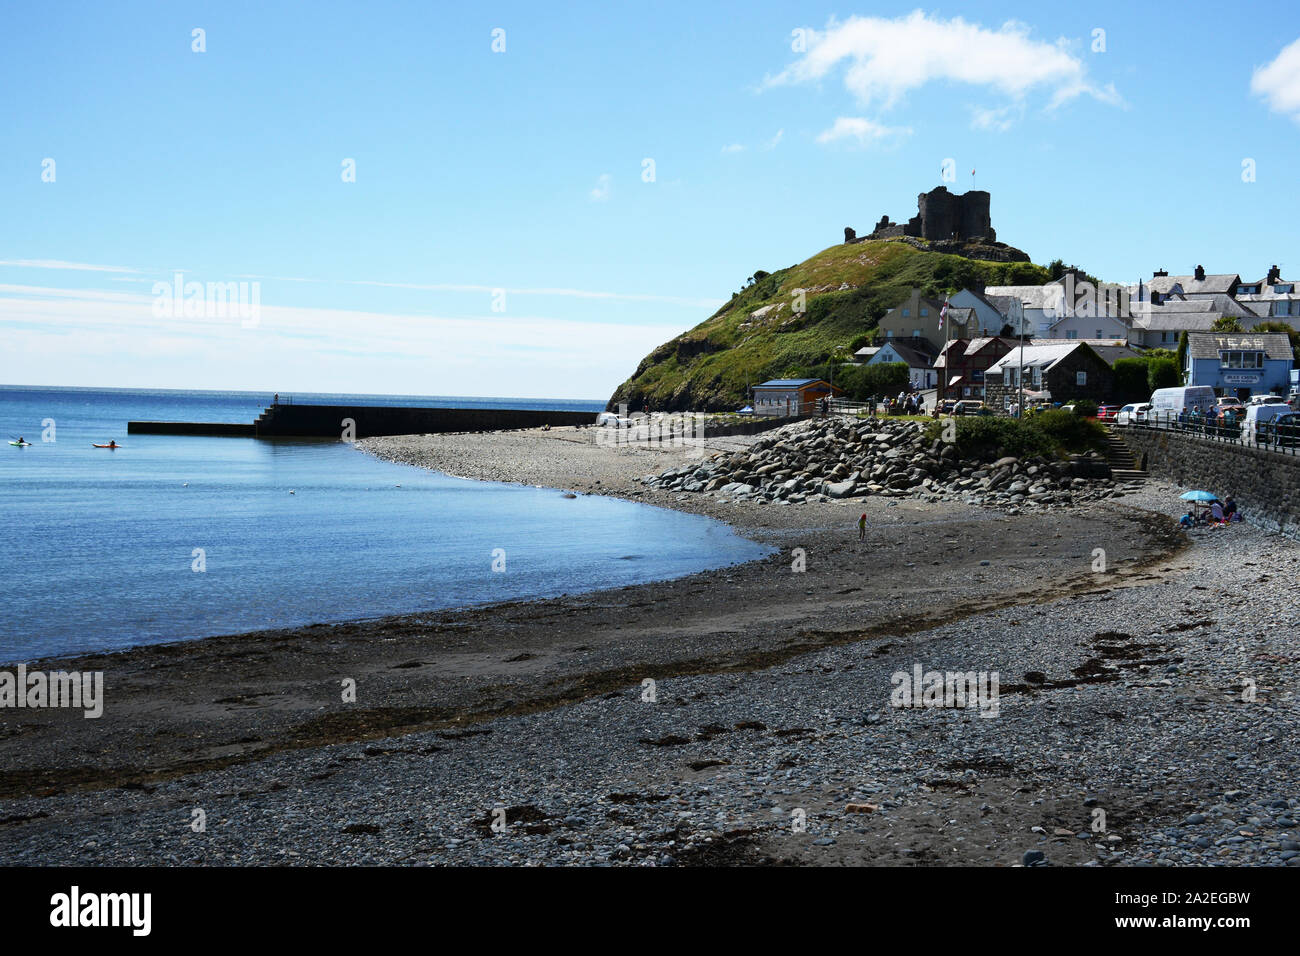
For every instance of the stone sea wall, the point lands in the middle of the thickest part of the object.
(1265, 484)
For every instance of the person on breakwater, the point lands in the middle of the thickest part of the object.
(862, 527)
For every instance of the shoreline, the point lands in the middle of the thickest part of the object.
(509, 643)
(770, 685)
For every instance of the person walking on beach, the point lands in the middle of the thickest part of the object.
(862, 527)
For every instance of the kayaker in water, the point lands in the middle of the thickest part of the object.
(22, 440)
(112, 443)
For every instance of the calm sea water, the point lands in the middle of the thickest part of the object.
(100, 546)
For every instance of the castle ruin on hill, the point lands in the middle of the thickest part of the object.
(949, 222)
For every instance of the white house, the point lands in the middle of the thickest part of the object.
(917, 354)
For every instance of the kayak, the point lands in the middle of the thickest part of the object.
(106, 446)
(21, 444)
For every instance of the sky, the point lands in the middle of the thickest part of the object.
(500, 199)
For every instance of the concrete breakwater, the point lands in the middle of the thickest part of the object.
(369, 421)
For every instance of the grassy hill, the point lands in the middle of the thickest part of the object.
(848, 288)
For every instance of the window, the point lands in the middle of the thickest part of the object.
(1288, 287)
(924, 313)
(977, 376)
(1071, 334)
(1099, 335)
(1241, 359)
(1080, 378)
(1166, 337)
(907, 313)
(916, 333)
(889, 333)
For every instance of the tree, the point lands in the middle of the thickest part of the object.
(1131, 377)
(1225, 323)
(1163, 373)
(1181, 355)
(1290, 330)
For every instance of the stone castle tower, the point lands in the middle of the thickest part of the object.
(944, 215)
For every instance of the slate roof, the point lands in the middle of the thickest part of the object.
(1034, 296)
(791, 382)
(1207, 345)
(1041, 356)
(914, 356)
(1220, 282)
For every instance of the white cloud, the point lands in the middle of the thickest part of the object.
(1278, 82)
(887, 59)
(60, 264)
(734, 148)
(775, 140)
(999, 119)
(863, 131)
(69, 337)
(600, 192)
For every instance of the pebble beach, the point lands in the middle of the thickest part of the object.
(1145, 712)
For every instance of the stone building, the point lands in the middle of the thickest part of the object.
(943, 215)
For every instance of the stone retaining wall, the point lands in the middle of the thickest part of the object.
(1265, 484)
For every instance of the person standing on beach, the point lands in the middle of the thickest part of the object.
(862, 527)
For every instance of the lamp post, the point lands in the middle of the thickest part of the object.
(1020, 407)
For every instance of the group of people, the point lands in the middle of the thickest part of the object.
(1217, 420)
(1218, 513)
(903, 404)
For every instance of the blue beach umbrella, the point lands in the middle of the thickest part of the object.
(1198, 496)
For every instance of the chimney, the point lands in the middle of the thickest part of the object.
(1159, 273)
(1200, 273)
(1274, 275)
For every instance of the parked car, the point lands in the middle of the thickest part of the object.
(1135, 414)
(1107, 413)
(612, 420)
(1282, 430)
(947, 405)
(1230, 401)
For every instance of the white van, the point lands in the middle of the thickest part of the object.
(1167, 403)
(1257, 415)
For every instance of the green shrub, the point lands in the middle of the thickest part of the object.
(1131, 380)
(1163, 373)
(1049, 434)
(1067, 432)
(1085, 408)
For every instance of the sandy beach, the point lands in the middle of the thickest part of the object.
(769, 702)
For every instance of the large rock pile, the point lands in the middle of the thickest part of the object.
(838, 458)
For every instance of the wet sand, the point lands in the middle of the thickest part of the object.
(204, 705)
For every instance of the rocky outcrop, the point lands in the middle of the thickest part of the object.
(839, 458)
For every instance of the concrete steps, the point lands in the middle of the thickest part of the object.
(1123, 463)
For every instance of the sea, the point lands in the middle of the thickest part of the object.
(175, 538)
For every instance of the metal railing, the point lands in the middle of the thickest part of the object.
(1284, 439)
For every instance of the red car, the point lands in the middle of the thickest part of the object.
(1106, 413)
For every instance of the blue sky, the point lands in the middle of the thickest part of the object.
(524, 170)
